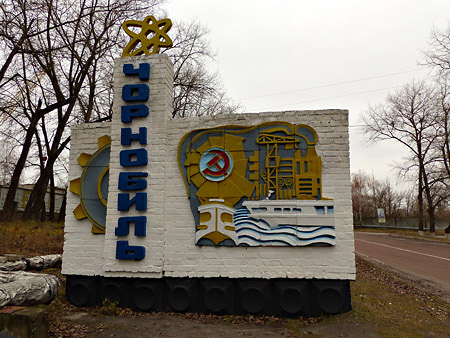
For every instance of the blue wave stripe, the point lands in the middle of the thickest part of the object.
(291, 229)
(272, 241)
(256, 235)
(252, 224)
(305, 242)
(255, 242)
(294, 236)
(255, 232)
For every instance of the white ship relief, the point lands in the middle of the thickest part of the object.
(293, 212)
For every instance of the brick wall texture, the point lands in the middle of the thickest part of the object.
(170, 239)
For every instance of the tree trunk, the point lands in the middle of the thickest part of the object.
(429, 198)
(62, 211)
(432, 220)
(6, 214)
(37, 196)
(420, 201)
(51, 212)
(43, 213)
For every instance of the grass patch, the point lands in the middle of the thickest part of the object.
(398, 308)
(31, 238)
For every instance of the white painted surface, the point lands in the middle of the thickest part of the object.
(170, 241)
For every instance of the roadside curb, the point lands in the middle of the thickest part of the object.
(437, 239)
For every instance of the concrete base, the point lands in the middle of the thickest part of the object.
(239, 296)
(26, 322)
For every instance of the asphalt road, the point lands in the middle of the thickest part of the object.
(424, 259)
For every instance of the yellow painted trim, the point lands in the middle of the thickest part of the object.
(216, 141)
(79, 212)
(96, 230)
(198, 179)
(316, 136)
(99, 186)
(216, 237)
(75, 186)
(159, 28)
(83, 159)
(103, 141)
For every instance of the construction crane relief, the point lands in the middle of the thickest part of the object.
(286, 172)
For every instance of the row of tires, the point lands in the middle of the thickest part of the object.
(277, 297)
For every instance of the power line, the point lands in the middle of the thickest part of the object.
(329, 85)
(331, 97)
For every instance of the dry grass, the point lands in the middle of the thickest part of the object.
(397, 307)
(30, 238)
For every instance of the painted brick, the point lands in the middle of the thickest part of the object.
(170, 241)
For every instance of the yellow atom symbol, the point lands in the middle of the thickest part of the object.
(151, 45)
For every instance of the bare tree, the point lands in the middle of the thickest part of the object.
(438, 55)
(74, 69)
(66, 50)
(21, 110)
(409, 117)
(362, 197)
(197, 91)
(387, 198)
(442, 146)
(8, 159)
(369, 194)
(68, 43)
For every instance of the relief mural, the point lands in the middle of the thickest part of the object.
(92, 185)
(256, 186)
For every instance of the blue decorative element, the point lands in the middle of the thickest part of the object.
(143, 71)
(133, 157)
(133, 181)
(128, 252)
(123, 226)
(94, 187)
(124, 202)
(135, 92)
(127, 181)
(127, 136)
(130, 112)
(254, 232)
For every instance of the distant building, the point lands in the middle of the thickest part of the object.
(23, 194)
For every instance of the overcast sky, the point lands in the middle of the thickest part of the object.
(298, 55)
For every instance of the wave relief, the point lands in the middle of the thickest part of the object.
(253, 232)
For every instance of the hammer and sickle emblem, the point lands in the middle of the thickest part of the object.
(216, 164)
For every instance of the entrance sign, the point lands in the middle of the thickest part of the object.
(225, 214)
